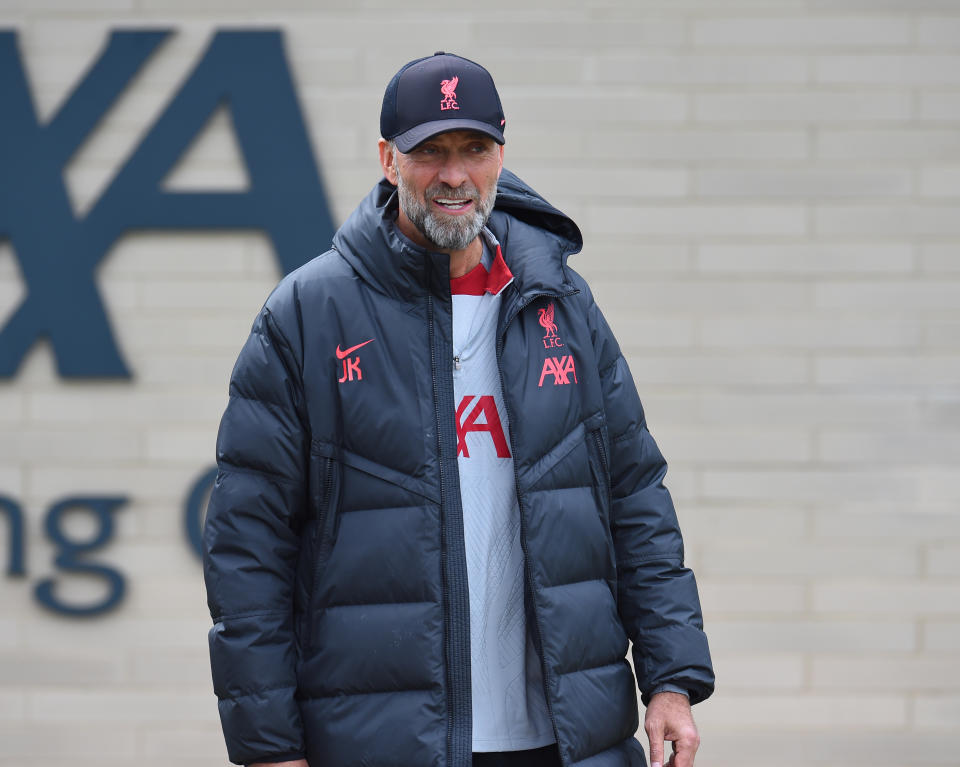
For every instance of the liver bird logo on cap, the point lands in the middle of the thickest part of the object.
(449, 90)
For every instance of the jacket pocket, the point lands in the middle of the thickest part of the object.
(325, 484)
(602, 490)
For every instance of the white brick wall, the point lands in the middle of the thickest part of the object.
(769, 195)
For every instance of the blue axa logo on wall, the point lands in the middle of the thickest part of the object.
(58, 252)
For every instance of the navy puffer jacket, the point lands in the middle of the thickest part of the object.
(335, 566)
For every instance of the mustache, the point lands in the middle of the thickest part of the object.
(465, 191)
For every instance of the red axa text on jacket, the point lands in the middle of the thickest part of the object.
(561, 368)
(351, 366)
(487, 408)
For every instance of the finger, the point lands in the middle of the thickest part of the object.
(654, 730)
(685, 747)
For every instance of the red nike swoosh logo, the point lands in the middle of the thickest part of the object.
(342, 354)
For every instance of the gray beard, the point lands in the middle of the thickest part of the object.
(447, 233)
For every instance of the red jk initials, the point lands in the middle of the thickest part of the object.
(351, 365)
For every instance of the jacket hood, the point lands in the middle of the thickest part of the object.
(535, 237)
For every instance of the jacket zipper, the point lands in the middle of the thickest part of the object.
(523, 526)
(458, 679)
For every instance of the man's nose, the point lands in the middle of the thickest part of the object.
(453, 172)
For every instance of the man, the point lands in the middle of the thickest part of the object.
(439, 515)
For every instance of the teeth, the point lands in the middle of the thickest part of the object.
(445, 201)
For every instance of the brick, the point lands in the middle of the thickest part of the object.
(917, 447)
(159, 667)
(937, 712)
(179, 254)
(533, 144)
(804, 182)
(203, 370)
(807, 31)
(802, 559)
(49, 633)
(716, 522)
(878, 597)
(70, 444)
(888, 144)
(808, 711)
(155, 482)
(715, 370)
(179, 445)
(938, 30)
(718, 445)
(905, 525)
(940, 106)
(760, 671)
(594, 105)
(204, 295)
(896, 220)
(691, 220)
(12, 406)
(646, 31)
(593, 181)
(34, 742)
(886, 673)
(12, 706)
(699, 144)
(928, 372)
(941, 635)
(940, 182)
(28, 668)
(128, 406)
(913, 295)
(690, 294)
(730, 597)
(857, 746)
(793, 408)
(148, 558)
(814, 107)
(873, 6)
(116, 706)
(653, 332)
(944, 560)
(805, 332)
(939, 258)
(834, 635)
(834, 486)
(632, 67)
(185, 743)
(942, 335)
(900, 69)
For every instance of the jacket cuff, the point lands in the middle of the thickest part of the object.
(667, 687)
(272, 759)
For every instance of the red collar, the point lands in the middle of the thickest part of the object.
(478, 280)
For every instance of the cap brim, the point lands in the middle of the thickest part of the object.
(420, 133)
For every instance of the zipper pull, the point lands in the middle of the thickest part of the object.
(456, 363)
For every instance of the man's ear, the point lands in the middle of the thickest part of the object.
(388, 160)
(500, 169)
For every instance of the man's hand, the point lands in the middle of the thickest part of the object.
(669, 717)
(298, 763)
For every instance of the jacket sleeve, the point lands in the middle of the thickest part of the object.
(657, 595)
(251, 547)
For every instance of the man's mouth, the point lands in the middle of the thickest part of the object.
(451, 204)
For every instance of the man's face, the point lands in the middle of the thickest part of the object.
(447, 187)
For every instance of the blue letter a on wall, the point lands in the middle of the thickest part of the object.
(245, 71)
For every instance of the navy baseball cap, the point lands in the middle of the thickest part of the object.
(437, 94)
